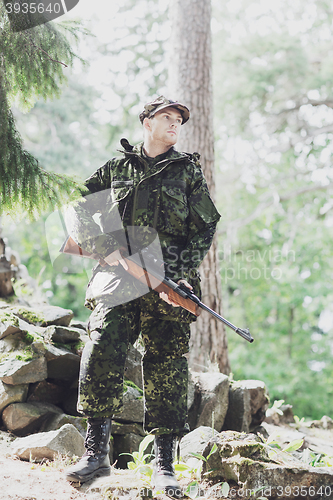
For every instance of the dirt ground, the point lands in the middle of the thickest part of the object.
(20, 480)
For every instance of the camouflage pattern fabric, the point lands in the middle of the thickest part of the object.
(167, 195)
(165, 368)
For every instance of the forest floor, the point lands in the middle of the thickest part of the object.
(21, 480)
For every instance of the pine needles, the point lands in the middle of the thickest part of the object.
(31, 66)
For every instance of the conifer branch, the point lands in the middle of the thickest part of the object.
(48, 55)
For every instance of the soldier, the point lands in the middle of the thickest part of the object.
(152, 193)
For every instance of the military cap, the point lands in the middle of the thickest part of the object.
(161, 103)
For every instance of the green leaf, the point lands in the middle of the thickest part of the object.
(225, 488)
(145, 443)
(192, 489)
(213, 450)
(197, 455)
(293, 446)
(181, 467)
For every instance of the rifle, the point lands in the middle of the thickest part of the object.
(154, 279)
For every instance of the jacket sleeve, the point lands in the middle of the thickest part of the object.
(202, 226)
(80, 221)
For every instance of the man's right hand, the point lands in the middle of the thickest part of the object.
(115, 258)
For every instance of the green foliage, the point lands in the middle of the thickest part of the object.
(30, 67)
(141, 460)
(273, 125)
(26, 355)
(129, 383)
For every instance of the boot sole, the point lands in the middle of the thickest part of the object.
(103, 471)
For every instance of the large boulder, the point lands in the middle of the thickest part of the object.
(210, 401)
(44, 315)
(195, 442)
(18, 371)
(248, 402)
(243, 459)
(48, 445)
(133, 407)
(25, 418)
(12, 394)
(133, 369)
(62, 334)
(62, 364)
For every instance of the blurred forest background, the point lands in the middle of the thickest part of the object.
(273, 116)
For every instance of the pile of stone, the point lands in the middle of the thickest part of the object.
(40, 350)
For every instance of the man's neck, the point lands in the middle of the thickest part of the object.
(155, 149)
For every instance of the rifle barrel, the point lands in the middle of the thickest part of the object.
(243, 333)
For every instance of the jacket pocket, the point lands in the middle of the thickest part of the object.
(174, 207)
(120, 189)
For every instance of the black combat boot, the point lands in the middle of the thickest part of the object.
(96, 458)
(164, 474)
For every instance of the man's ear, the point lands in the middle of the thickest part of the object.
(146, 124)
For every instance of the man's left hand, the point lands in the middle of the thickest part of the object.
(165, 297)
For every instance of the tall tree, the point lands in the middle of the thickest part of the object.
(31, 65)
(190, 80)
(274, 149)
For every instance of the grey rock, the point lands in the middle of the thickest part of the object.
(69, 403)
(61, 363)
(210, 400)
(82, 325)
(56, 421)
(133, 407)
(244, 459)
(54, 315)
(324, 423)
(11, 343)
(8, 325)
(131, 428)
(46, 392)
(195, 442)
(12, 394)
(44, 315)
(15, 371)
(48, 445)
(62, 334)
(133, 370)
(239, 415)
(127, 443)
(25, 418)
(259, 401)
(282, 415)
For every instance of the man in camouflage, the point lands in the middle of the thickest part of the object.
(151, 194)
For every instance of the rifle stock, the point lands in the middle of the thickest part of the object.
(179, 294)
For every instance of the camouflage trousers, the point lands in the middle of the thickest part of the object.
(165, 369)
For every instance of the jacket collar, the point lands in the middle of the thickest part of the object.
(130, 151)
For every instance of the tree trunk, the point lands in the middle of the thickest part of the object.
(190, 81)
(6, 272)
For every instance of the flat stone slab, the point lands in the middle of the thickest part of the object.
(12, 394)
(44, 315)
(133, 407)
(16, 371)
(245, 460)
(25, 418)
(48, 445)
(62, 334)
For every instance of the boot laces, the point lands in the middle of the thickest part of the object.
(164, 456)
(96, 429)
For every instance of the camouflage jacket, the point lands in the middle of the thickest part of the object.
(169, 195)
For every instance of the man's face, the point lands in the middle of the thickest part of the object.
(165, 126)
